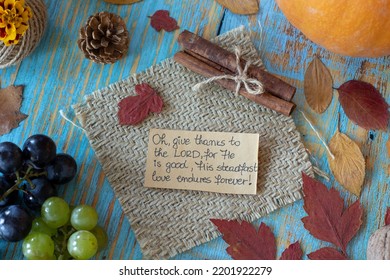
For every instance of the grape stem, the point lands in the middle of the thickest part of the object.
(19, 180)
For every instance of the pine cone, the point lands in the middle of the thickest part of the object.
(104, 39)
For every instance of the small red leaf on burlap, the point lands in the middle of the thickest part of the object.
(387, 217)
(134, 109)
(364, 105)
(327, 220)
(10, 102)
(293, 252)
(245, 243)
(161, 20)
(327, 253)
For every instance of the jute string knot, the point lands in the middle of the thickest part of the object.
(252, 86)
(14, 54)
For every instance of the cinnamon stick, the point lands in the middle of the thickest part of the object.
(200, 67)
(216, 54)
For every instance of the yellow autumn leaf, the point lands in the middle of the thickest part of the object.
(243, 7)
(122, 2)
(348, 164)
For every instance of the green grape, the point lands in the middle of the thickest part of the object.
(101, 237)
(82, 245)
(38, 225)
(55, 212)
(38, 246)
(84, 217)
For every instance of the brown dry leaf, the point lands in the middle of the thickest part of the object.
(10, 102)
(318, 86)
(348, 165)
(243, 7)
(122, 2)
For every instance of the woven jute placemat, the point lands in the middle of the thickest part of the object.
(168, 222)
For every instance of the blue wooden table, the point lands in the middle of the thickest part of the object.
(56, 76)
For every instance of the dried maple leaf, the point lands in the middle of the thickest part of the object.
(293, 252)
(327, 220)
(318, 86)
(245, 243)
(162, 20)
(387, 217)
(134, 109)
(327, 253)
(364, 105)
(348, 164)
(10, 102)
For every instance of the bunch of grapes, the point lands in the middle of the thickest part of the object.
(63, 232)
(29, 178)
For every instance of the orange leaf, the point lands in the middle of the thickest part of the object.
(243, 7)
(318, 86)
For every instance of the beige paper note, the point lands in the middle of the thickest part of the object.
(206, 161)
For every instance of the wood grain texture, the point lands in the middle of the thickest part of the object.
(56, 76)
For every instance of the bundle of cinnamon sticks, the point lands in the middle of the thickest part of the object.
(210, 60)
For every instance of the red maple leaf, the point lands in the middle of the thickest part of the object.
(327, 253)
(293, 252)
(134, 109)
(364, 105)
(327, 220)
(161, 20)
(387, 217)
(245, 243)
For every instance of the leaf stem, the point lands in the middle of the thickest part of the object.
(318, 134)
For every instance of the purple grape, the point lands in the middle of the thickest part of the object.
(15, 223)
(11, 158)
(34, 196)
(39, 150)
(62, 169)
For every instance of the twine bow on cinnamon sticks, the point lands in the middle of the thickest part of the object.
(232, 72)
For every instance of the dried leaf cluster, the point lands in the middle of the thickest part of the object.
(362, 103)
(327, 220)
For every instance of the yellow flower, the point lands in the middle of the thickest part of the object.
(14, 17)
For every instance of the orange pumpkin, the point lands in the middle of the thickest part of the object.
(350, 27)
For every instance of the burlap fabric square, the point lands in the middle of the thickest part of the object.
(168, 222)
